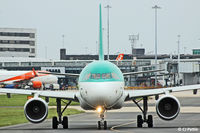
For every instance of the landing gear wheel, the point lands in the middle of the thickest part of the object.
(54, 122)
(105, 125)
(99, 125)
(150, 121)
(60, 120)
(65, 122)
(139, 121)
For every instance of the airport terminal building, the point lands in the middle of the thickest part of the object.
(18, 45)
(189, 69)
(17, 42)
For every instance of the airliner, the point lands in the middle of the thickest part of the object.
(101, 88)
(33, 79)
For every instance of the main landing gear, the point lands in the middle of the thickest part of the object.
(102, 123)
(60, 120)
(149, 119)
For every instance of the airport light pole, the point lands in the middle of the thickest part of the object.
(178, 70)
(156, 8)
(45, 52)
(63, 40)
(185, 50)
(108, 7)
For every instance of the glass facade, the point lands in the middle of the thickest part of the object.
(31, 35)
(32, 43)
(15, 49)
(196, 51)
(17, 42)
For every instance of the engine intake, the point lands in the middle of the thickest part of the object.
(36, 110)
(168, 107)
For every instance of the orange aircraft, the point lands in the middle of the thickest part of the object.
(21, 79)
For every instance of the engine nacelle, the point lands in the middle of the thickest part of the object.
(36, 110)
(168, 107)
(36, 84)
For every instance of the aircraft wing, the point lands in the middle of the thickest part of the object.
(61, 74)
(141, 72)
(69, 95)
(131, 94)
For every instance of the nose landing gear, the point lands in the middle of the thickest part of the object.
(102, 123)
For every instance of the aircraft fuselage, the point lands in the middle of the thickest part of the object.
(101, 83)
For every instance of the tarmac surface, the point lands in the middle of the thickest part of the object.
(123, 121)
(117, 122)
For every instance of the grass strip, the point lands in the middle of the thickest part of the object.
(13, 116)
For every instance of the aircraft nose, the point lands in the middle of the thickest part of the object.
(102, 97)
(101, 100)
(100, 94)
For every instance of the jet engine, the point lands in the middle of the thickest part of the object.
(168, 107)
(36, 110)
(37, 84)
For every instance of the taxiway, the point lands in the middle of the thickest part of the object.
(123, 120)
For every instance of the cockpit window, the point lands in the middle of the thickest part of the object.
(87, 76)
(106, 76)
(110, 76)
(115, 76)
(102, 76)
(96, 76)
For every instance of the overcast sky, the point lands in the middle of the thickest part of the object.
(78, 21)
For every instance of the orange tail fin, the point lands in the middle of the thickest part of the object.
(120, 57)
(34, 72)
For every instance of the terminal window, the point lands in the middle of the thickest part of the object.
(31, 35)
(15, 49)
(32, 43)
(32, 50)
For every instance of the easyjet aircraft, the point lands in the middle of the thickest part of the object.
(33, 78)
(101, 88)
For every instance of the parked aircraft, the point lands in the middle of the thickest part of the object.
(101, 88)
(22, 79)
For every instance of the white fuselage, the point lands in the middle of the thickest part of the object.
(110, 95)
(46, 79)
(10, 77)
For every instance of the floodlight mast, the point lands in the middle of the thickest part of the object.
(156, 7)
(63, 41)
(178, 59)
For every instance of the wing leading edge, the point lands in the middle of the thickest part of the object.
(61, 74)
(141, 72)
(131, 94)
(69, 95)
